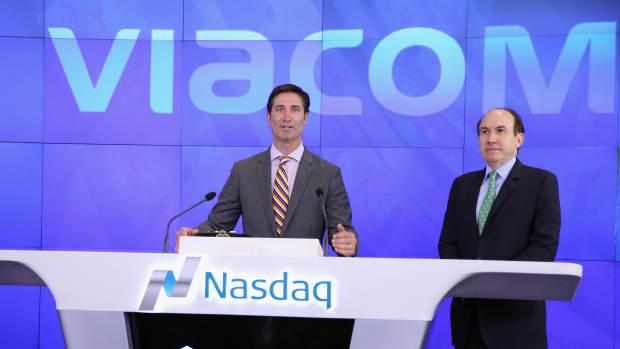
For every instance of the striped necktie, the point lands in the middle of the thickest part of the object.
(281, 194)
(487, 203)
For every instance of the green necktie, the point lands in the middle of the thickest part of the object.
(487, 203)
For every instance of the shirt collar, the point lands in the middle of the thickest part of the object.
(295, 154)
(503, 170)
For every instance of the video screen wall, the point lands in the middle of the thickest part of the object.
(116, 115)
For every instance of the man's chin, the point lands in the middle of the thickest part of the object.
(492, 161)
(288, 138)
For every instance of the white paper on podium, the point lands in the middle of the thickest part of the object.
(247, 246)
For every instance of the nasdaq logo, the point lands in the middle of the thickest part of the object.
(280, 289)
(595, 40)
(172, 286)
(226, 287)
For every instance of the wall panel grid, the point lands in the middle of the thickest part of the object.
(118, 114)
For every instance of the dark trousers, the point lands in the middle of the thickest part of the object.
(474, 341)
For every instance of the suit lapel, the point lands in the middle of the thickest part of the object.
(263, 172)
(301, 180)
(509, 185)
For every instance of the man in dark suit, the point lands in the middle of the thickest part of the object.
(276, 191)
(507, 211)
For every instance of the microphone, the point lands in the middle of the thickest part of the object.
(208, 197)
(319, 193)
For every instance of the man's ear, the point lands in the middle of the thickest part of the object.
(306, 117)
(520, 139)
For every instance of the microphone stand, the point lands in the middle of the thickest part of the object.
(319, 193)
(208, 197)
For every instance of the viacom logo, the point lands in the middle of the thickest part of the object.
(286, 288)
(594, 43)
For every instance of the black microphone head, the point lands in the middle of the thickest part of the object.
(210, 196)
(319, 192)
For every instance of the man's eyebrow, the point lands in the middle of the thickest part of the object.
(284, 105)
(487, 127)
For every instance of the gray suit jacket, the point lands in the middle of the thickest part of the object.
(248, 192)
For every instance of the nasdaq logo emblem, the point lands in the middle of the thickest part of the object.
(226, 287)
(172, 286)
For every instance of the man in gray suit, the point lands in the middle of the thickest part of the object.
(276, 191)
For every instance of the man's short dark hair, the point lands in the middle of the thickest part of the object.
(289, 88)
(518, 123)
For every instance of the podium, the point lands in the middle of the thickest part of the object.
(392, 300)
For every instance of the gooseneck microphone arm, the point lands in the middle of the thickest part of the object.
(319, 193)
(208, 197)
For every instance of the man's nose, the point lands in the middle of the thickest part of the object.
(287, 114)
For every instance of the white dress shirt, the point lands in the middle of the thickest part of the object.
(290, 167)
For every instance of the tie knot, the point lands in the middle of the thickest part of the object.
(492, 175)
(284, 159)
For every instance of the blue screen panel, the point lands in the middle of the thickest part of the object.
(21, 18)
(104, 91)
(548, 17)
(277, 20)
(206, 169)
(20, 202)
(229, 83)
(618, 209)
(587, 183)
(398, 196)
(563, 90)
(51, 336)
(617, 306)
(21, 89)
(400, 94)
(103, 19)
(19, 317)
(380, 18)
(588, 320)
(439, 335)
(109, 197)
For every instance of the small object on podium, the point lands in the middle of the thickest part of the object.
(221, 234)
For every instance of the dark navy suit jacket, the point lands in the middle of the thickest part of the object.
(523, 224)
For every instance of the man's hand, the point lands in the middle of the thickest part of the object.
(344, 242)
(184, 232)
